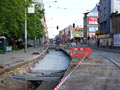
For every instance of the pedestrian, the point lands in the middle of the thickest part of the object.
(68, 44)
(98, 41)
(64, 45)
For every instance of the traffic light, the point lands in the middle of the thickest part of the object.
(73, 25)
(57, 27)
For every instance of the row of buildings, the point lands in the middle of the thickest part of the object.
(91, 23)
(70, 33)
(109, 20)
(103, 23)
(82, 34)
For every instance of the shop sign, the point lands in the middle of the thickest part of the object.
(92, 34)
(93, 20)
(104, 36)
(117, 40)
(98, 32)
(79, 33)
(31, 9)
(92, 29)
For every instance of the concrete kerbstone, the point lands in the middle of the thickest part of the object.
(32, 60)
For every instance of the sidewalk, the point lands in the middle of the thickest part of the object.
(116, 50)
(18, 56)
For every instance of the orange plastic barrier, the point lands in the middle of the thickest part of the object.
(80, 52)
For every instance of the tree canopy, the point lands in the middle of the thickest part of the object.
(12, 19)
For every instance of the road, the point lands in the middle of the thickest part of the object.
(115, 57)
(104, 52)
(94, 73)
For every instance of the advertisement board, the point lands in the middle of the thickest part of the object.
(93, 20)
(92, 35)
(92, 29)
(117, 40)
(76, 33)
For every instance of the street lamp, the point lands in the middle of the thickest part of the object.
(49, 19)
(51, 2)
(25, 28)
(61, 8)
(48, 3)
(55, 1)
(25, 50)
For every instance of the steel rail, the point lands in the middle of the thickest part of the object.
(114, 62)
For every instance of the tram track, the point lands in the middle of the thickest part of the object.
(100, 69)
(114, 62)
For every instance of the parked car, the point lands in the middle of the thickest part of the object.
(20, 43)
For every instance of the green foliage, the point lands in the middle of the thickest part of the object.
(12, 19)
(35, 26)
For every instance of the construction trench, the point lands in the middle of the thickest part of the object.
(24, 75)
(94, 73)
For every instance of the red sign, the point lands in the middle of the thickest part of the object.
(80, 52)
(92, 34)
(77, 28)
(93, 20)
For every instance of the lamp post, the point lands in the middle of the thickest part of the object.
(25, 35)
(25, 28)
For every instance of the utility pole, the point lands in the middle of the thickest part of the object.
(25, 28)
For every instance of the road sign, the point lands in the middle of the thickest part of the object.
(80, 52)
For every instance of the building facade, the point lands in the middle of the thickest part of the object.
(90, 23)
(104, 11)
(77, 32)
(109, 20)
(67, 31)
(62, 34)
(85, 24)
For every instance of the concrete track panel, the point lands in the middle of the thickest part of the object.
(93, 74)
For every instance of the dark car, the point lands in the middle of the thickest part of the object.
(20, 44)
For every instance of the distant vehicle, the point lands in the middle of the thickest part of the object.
(58, 42)
(20, 44)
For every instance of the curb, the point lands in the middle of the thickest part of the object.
(66, 53)
(106, 50)
(33, 60)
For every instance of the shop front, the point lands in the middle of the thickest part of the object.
(105, 40)
(116, 40)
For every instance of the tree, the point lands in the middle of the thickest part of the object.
(35, 26)
(12, 17)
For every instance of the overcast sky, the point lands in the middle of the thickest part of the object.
(65, 13)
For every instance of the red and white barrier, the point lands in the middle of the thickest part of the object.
(80, 52)
(64, 79)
